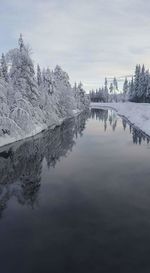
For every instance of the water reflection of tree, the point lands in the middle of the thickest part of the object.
(124, 124)
(109, 115)
(137, 135)
(105, 116)
(21, 164)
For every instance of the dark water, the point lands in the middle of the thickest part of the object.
(77, 199)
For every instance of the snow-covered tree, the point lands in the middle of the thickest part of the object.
(21, 43)
(147, 96)
(22, 74)
(50, 81)
(111, 88)
(39, 75)
(141, 86)
(29, 103)
(64, 93)
(136, 82)
(82, 95)
(106, 89)
(131, 93)
(43, 76)
(115, 84)
(0, 73)
(125, 86)
(4, 68)
(81, 99)
(125, 89)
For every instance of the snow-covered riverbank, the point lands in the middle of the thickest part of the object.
(137, 113)
(32, 101)
(6, 139)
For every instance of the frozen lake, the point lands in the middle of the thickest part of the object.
(77, 199)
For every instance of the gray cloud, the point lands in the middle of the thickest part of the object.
(91, 39)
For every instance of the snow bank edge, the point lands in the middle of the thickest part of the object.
(137, 114)
(4, 142)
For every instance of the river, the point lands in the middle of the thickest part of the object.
(76, 199)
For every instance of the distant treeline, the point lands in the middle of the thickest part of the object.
(105, 93)
(135, 90)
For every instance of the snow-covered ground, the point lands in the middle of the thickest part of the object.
(6, 139)
(137, 113)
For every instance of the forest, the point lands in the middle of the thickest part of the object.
(137, 89)
(32, 99)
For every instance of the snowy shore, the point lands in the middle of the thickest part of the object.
(6, 140)
(137, 113)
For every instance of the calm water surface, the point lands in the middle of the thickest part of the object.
(77, 199)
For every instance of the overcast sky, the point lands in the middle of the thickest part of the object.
(90, 39)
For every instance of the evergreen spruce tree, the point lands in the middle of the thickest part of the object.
(111, 88)
(131, 94)
(0, 73)
(39, 76)
(22, 73)
(125, 86)
(135, 95)
(21, 43)
(147, 95)
(146, 84)
(106, 90)
(115, 84)
(141, 86)
(125, 89)
(4, 69)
